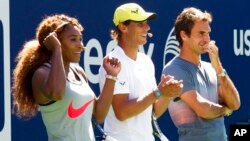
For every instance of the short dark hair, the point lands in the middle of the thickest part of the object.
(186, 19)
(116, 33)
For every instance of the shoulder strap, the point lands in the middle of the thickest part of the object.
(76, 68)
(46, 64)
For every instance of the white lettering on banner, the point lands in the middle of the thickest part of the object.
(5, 133)
(149, 53)
(111, 45)
(241, 42)
(171, 47)
(94, 45)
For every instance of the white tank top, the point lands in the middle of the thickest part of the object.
(69, 119)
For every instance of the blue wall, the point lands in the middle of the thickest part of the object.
(230, 29)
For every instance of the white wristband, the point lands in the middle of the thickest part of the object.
(111, 77)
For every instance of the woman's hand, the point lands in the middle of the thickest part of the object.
(51, 41)
(111, 65)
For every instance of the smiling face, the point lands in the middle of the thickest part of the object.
(199, 37)
(72, 45)
(138, 31)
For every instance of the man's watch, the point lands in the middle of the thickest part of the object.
(223, 73)
(157, 93)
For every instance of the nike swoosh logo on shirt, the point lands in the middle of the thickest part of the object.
(76, 112)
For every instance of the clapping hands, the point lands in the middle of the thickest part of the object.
(170, 87)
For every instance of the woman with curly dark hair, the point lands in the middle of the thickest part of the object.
(48, 79)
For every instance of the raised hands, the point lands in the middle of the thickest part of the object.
(52, 42)
(111, 65)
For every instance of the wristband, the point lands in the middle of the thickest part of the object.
(157, 93)
(111, 77)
